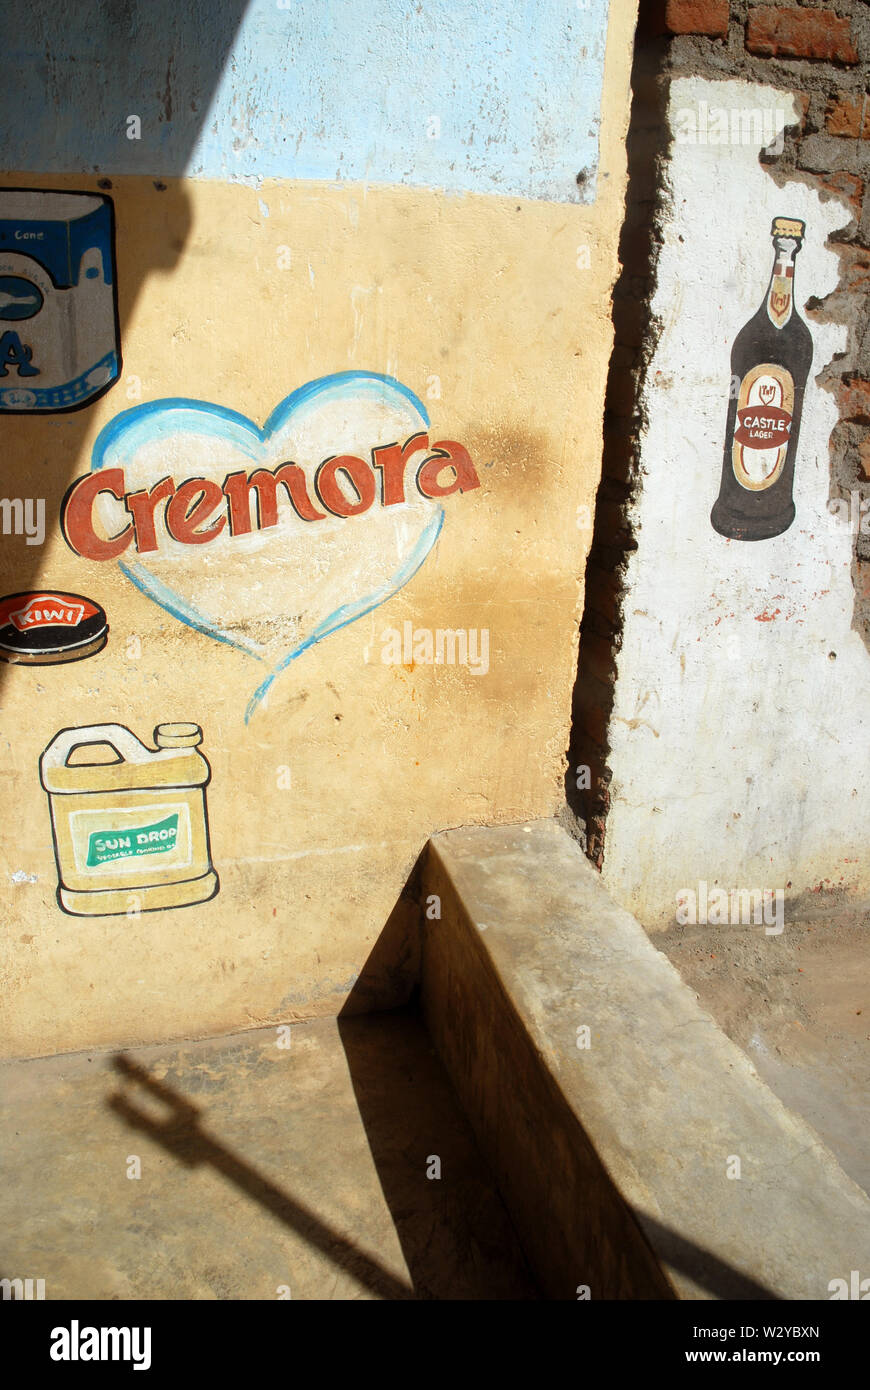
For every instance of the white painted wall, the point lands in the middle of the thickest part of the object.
(739, 744)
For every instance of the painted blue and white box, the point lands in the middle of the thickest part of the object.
(59, 339)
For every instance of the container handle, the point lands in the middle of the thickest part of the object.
(125, 744)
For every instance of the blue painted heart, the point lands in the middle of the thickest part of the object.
(281, 574)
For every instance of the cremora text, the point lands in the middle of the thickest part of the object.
(197, 510)
(75, 1343)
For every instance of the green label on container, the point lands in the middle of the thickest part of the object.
(106, 845)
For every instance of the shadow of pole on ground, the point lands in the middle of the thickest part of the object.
(181, 1135)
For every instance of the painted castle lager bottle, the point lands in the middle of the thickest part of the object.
(770, 361)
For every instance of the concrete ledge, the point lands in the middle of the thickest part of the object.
(613, 1159)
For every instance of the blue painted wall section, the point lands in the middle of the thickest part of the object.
(499, 97)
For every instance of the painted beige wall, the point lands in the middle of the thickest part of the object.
(484, 292)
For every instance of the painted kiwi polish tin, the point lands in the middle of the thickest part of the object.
(47, 627)
(131, 834)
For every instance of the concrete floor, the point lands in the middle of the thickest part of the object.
(799, 1006)
(264, 1170)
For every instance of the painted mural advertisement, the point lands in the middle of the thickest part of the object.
(266, 537)
(269, 334)
(59, 338)
(269, 539)
(315, 519)
(770, 362)
(130, 835)
(48, 628)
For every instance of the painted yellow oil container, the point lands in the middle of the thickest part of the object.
(130, 835)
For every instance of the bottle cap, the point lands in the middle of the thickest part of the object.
(178, 735)
(788, 226)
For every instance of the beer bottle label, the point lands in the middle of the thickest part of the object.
(779, 300)
(765, 405)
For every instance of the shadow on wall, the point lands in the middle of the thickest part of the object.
(65, 126)
(77, 84)
(588, 776)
